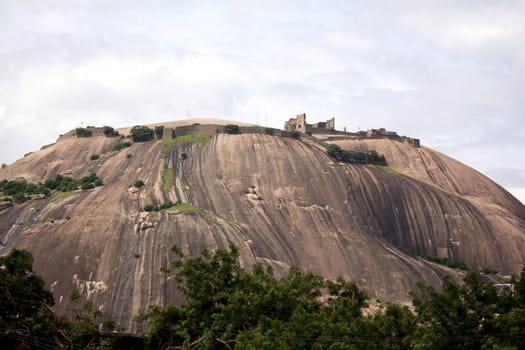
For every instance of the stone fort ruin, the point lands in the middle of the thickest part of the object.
(328, 129)
(299, 124)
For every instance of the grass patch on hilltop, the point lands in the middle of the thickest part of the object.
(185, 139)
(385, 168)
(168, 179)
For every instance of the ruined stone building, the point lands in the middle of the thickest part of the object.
(299, 124)
(327, 128)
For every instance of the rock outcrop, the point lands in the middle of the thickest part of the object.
(282, 201)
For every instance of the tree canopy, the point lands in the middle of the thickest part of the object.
(229, 307)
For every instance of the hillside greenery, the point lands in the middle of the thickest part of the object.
(455, 264)
(120, 146)
(83, 132)
(370, 157)
(109, 131)
(140, 133)
(169, 205)
(159, 131)
(20, 190)
(230, 307)
(232, 129)
(169, 144)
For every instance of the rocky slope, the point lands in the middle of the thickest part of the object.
(282, 201)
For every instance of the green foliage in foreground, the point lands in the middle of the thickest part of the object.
(371, 157)
(229, 307)
(184, 139)
(27, 320)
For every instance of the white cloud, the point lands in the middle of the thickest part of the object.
(519, 193)
(450, 73)
(348, 40)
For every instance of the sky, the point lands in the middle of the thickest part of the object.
(449, 72)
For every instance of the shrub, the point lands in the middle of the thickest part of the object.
(94, 156)
(121, 145)
(142, 133)
(371, 157)
(151, 207)
(159, 131)
(489, 271)
(183, 155)
(109, 131)
(232, 129)
(138, 184)
(455, 264)
(295, 134)
(269, 131)
(87, 186)
(180, 206)
(19, 197)
(83, 132)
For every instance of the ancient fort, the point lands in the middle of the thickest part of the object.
(326, 130)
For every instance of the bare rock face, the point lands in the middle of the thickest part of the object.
(282, 201)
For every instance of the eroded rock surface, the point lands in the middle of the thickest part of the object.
(282, 201)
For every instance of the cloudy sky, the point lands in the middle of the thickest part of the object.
(449, 72)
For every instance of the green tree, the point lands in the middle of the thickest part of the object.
(229, 307)
(109, 131)
(460, 316)
(232, 129)
(83, 132)
(26, 318)
(142, 133)
(159, 131)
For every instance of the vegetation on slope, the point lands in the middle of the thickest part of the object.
(142, 133)
(370, 157)
(169, 144)
(455, 264)
(121, 145)
(179, 206)
(168, 178)
(20, 190)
